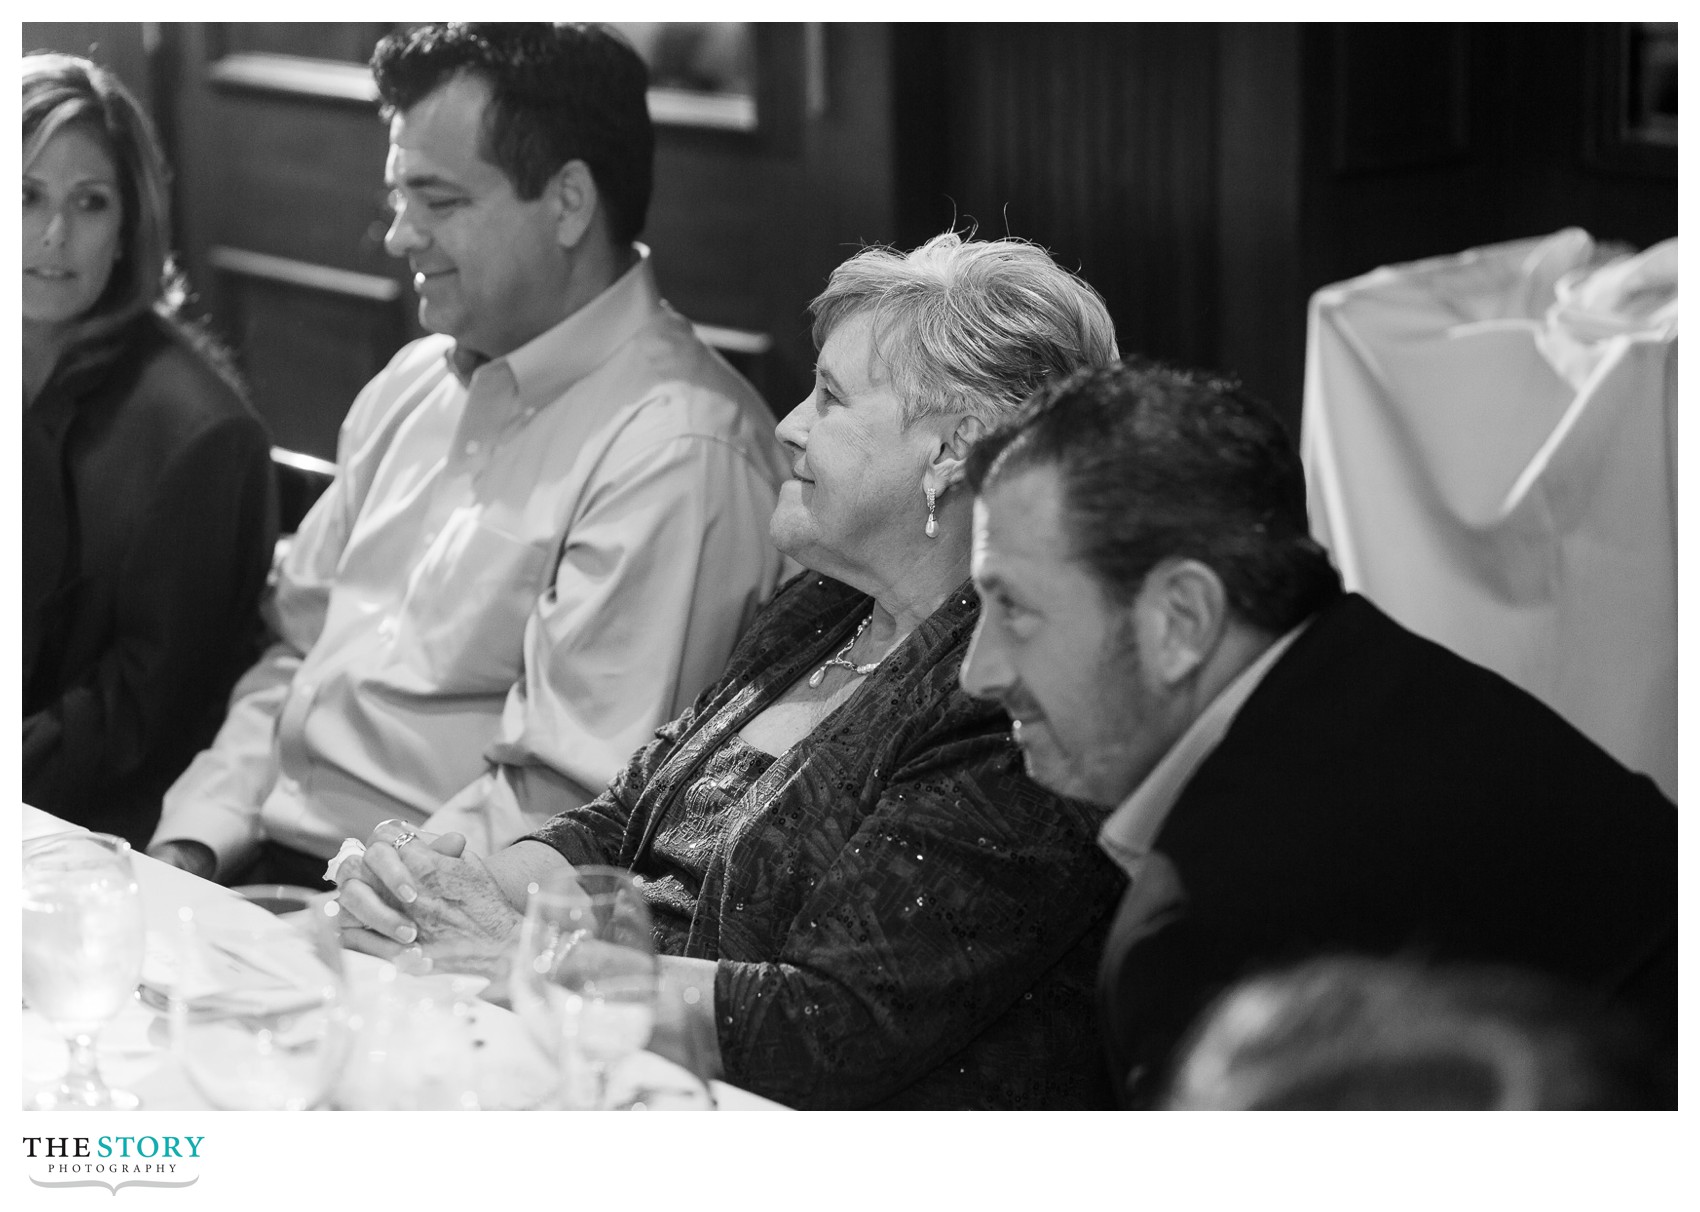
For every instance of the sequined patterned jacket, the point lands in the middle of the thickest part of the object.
(901, 918)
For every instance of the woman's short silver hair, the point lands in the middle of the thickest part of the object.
(968, 326)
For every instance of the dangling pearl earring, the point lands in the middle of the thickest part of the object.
(932, 521)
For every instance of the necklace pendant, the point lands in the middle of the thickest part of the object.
(817, 676)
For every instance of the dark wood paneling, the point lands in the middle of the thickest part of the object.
(1261, 304)
(1520, 167)
(1415, 204)
(1205, 178)
(1555, 177)
(1098, 142)
(1401, 96)
(307, 350)
(280, 188)
(746, 228)
(117, 46)
(340, 41)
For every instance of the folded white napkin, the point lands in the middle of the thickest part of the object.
(247, 971)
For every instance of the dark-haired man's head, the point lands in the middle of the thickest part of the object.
(521, 162)
(1140, 538)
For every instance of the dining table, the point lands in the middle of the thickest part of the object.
(136, 1049)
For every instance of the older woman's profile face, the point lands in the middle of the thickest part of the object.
(73, 210)
(855, 489)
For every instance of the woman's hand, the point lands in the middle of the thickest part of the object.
(366, 901)
(422, 902)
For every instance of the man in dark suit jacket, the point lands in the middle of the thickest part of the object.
(1291, 771)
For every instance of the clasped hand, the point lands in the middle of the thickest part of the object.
(422, 902)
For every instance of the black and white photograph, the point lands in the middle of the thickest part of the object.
(744, 566)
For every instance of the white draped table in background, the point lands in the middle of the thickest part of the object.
(134, 1047)
(1490, 444)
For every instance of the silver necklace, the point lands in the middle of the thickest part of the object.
(839, 660)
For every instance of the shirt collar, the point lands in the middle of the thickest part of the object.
(547, 365)
(1128, 833)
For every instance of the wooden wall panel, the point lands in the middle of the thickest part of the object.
(1426, 191)
(1547, 78)
(1260, 302)
(338, 41)
(1099, 143)
(1402, 96)
(280, 196)
(746, 228)
(306, 351)
(1205, 178)
(119, 46)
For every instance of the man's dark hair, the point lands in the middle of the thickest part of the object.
(1157, 462)
(559, 92)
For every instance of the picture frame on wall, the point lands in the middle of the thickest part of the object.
(704, 74)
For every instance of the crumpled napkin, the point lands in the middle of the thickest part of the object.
(352, 847)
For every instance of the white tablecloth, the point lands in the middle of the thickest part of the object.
(135, 1051)
(1489, 440)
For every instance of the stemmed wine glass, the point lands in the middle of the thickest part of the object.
(584, 977)
(84, 939)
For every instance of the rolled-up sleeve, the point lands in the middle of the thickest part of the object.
(217, 800)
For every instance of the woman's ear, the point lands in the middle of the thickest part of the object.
(950, 452)
(574, 191)
(1185, 610)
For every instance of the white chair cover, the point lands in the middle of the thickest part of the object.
(1490, 444)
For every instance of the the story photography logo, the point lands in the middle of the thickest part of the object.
(113, 1162)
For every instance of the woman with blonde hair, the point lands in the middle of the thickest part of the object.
(149, 514)
(860, 898)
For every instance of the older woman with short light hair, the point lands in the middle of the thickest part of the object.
(839, 847)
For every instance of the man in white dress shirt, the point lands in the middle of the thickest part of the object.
(549, 522)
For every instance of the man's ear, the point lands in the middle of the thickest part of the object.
(1184, 608)
(950, 452)
(574, 191)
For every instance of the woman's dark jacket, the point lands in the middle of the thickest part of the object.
(149, 521)
(901, 918)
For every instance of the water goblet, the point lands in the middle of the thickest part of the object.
(673, 1076)
(584, 978)
(83, 941)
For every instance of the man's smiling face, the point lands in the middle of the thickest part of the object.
(1059, 656)
(487, 266)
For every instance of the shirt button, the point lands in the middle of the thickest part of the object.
(472, 448)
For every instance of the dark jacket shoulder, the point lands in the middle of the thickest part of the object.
(182, 384)
(1378, 793)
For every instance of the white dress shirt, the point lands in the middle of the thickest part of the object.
(522, 569)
